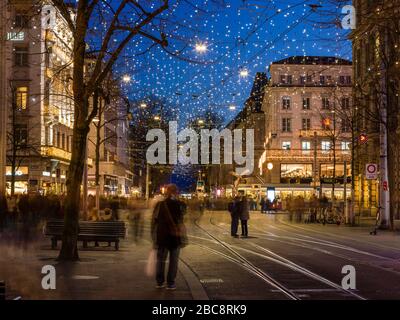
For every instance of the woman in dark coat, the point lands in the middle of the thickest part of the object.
(168, 235)
(244, 216)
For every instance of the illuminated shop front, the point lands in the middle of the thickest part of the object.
(296, 173)
(21, 179)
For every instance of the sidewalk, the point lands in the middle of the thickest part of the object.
(102, 272)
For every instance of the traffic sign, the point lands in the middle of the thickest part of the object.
(371, 171)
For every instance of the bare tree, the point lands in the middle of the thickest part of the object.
(120, 23)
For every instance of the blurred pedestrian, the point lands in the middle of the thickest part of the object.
(169, 236)
(136, 215)
(114, 205)
(262, 204)
(244, 216)
(3, 211)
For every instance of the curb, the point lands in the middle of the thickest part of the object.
(196, 289)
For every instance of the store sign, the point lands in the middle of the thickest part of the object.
(15, 36)
(371, 171)
(18, 172)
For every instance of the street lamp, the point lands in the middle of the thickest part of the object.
(200, 121)
(143, 105)
(232, 107)
(157, 118)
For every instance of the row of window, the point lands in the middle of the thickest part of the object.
(62, 141)
(303, 173)
(326, 145)
(306, 103)
(308, 79)
(326, 124)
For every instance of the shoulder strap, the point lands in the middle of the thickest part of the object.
(170, 219)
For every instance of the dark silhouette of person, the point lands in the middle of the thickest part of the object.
(244, 215)
(262, 204)
(168, 236)
(3, 211)
(234, 209)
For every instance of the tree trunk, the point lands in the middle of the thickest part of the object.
(14, 145)
(97, 159)
(69, 249)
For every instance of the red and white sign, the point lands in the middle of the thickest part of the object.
(385, 186)
(371, 171)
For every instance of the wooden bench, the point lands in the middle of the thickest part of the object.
(97, 231)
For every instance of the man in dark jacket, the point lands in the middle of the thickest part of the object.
(244, 215)
(168, 235)
(234, 209)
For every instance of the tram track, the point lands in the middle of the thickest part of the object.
(243, 261)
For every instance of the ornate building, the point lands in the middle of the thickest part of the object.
(307, 106)
(376, 57)
(36, 83)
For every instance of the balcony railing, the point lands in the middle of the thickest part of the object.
(49, 151)
(321, 133)
(307, 155)
(54, 152)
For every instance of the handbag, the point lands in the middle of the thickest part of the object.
(151, 264)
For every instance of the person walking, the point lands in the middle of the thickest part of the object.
(244, 216)
(169, 236)
(262, 204)
(234, 209)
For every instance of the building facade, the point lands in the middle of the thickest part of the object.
(37, 97)
(250, 117)
(307, 106)
(110, 134)
(376, 57)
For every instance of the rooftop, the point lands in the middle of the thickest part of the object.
(314, 60)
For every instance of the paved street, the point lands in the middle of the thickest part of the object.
(279, 260)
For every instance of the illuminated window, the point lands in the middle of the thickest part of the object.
(21, 98)
(346, 145)
(306, 145)
(286, 145)
(325, 145)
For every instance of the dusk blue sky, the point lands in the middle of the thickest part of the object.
(239, 35)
